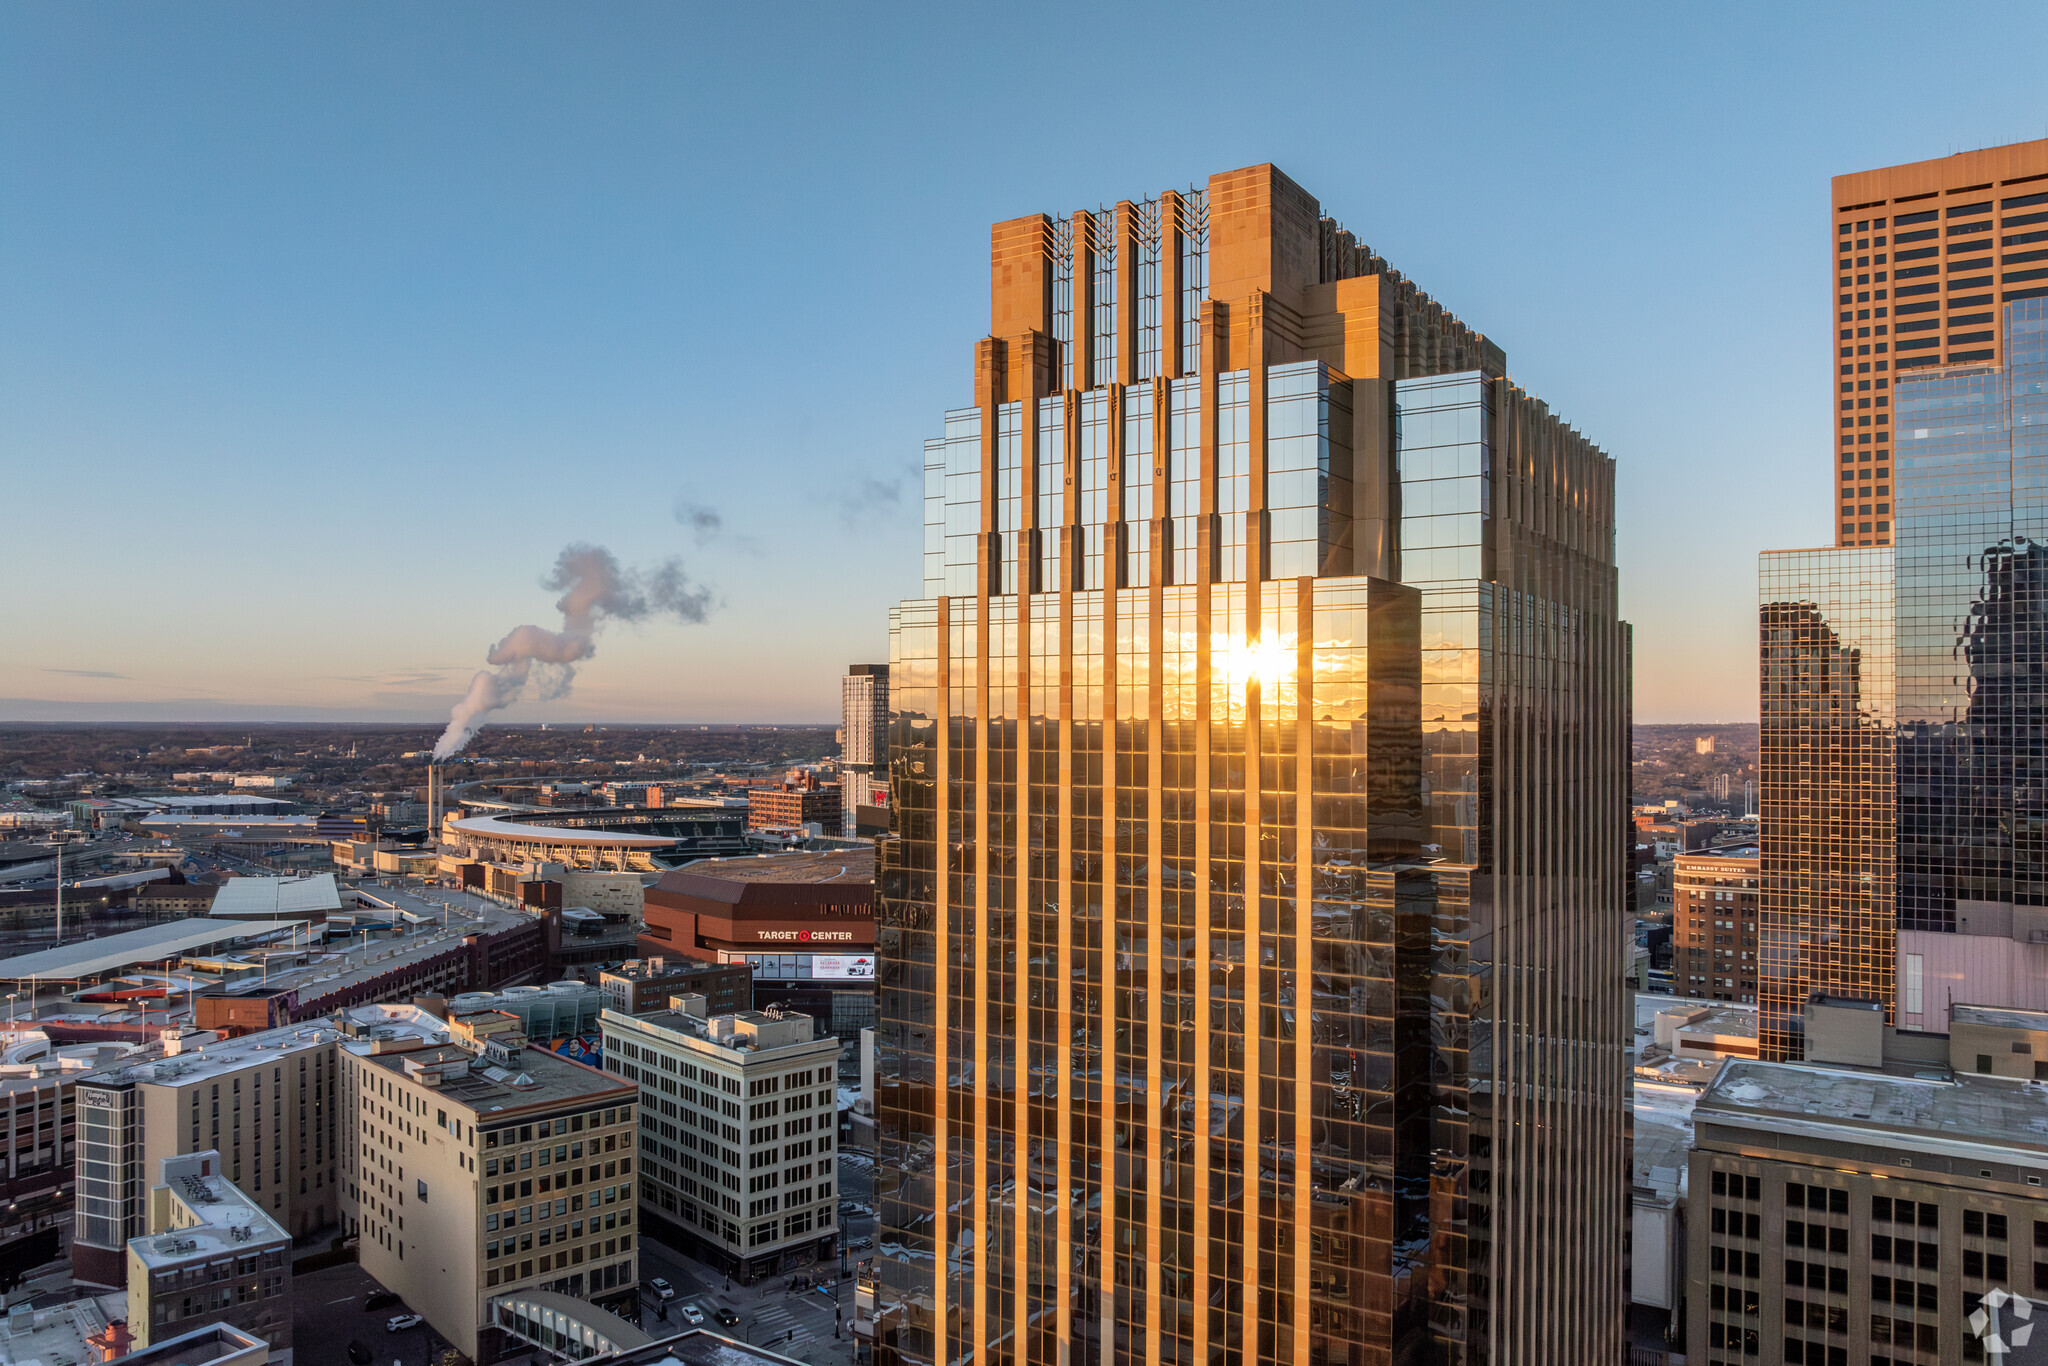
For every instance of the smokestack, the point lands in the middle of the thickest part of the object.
(433, 802)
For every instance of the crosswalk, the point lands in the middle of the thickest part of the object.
(771, 1327)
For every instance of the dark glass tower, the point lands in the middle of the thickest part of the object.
(1253, 938)
(1905, 705)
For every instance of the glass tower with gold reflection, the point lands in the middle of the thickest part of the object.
(1254, 933)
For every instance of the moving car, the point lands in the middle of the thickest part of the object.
(359, 1354)
(692, 1315)
(378, 1299)
(400, 1322)
(662, 1289)
(726, 1318)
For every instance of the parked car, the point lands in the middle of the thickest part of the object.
(378, 1299)
(400, 1322)
(726, 1318)
(662, 1289)
(359, 1354)
(692, 1315)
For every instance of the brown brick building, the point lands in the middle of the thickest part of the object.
(789, 807)
(1924, 255)
(1714, 904)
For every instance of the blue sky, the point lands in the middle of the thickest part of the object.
(324, 328)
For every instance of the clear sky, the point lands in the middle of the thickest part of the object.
(325, 327)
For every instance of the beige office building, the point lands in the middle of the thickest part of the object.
(1854, 1216)
(211, 1256)
(482, 1168)
(265, 1102)
(737, 1129)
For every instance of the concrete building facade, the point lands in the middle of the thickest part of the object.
(211, 1255)
(738, 1131)
(480, 1167)
(266, 1102)
(1852, 1216)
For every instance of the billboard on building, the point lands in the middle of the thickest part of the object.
(842, 967)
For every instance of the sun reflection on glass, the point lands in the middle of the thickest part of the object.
(1266, 659)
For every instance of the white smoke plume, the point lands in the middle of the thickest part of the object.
(594, 589)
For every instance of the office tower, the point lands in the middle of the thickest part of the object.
(1714, 950)
(266, 1101)
(1924, 255)
(1253, 934)
(864, 748)
(742, 1166)
(211, 1255)
(1904, 855)
(1856, 1216)
(455, 1136)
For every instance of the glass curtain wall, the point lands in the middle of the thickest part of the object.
(1246, 984)
(1828, 724)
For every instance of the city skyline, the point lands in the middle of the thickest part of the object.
(343, 342)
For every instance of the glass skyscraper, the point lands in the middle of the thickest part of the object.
(1905, 715)
(1254, 933)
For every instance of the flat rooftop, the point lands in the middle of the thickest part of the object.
(61, 1332)
(1857, 1106)
(92, 957)
(275, 896)
(697, 1030)
(227, 1221)
(639, 970)
(337, 969)
(1662, 1138)
(1998, 1017)
(1723, 1024)
(498, 827)
(223, 1055)
(538, 1078)
(855, 866)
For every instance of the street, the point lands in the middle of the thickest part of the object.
(328, 1315)
(776, 1314)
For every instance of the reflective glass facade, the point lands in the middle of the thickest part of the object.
(1252, 942)
(1825, 795)
(1905, 713)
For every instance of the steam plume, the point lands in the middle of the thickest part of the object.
(594, 589)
